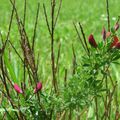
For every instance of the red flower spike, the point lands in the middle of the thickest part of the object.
(117, 45)
(104, 33)
(116, 27)
(92, 41)
(38, 87)
(115, 41)
(18, 89)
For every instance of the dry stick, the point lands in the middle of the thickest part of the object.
(96, 110)
(65, 78)
(24, 20)
(106, 83)
(58, 13)
(58, 57)
(51, 31)
(80, 38)
(108, 15)
(83, 34)
(36, 22)
(6, 87)
(74, 60)
(46, 17)
(52, 44)
(9, 29)
(109, 102)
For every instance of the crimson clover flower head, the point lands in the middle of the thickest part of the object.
(18, 89)
(38, 87)
(92, 41)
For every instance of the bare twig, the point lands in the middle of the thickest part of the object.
(65, 78)
(58, 57)
(83, 34)
(58, 13)
(46, 17)
(24, 12)
(36, 22)
(80, 38)
(9, 28)
(74, 60)
(108, 15)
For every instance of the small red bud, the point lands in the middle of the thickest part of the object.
(92, 41)
(18, 89)
(116, 27)
(104, 33)
(38, 87)
(108, 34)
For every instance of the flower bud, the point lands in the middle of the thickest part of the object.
(104, 33)
(38, 87)
(18, 89)
(116, 27)
(92, 41)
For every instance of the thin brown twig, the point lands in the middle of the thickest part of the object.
(74, 60)
(58, 13)
(108, 15)
(36, 22)
(46, 17)
(83, 34)
(9, 28)
(24, 19)
(65, 78)
(79, 37)
(58, 57)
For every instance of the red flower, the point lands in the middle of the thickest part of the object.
(18, 89)
(117, 45)
(115, 41)
(38, 87)
(92, 41)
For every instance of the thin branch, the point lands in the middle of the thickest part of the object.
(83, 34)
(74, 60)
(24, 12)
(36, 22)
(108, 15)
(79, 37)
(58, 12)
(58, 57)
(46, 17)
(9, 28)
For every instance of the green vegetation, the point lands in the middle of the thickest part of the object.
(73, 97)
